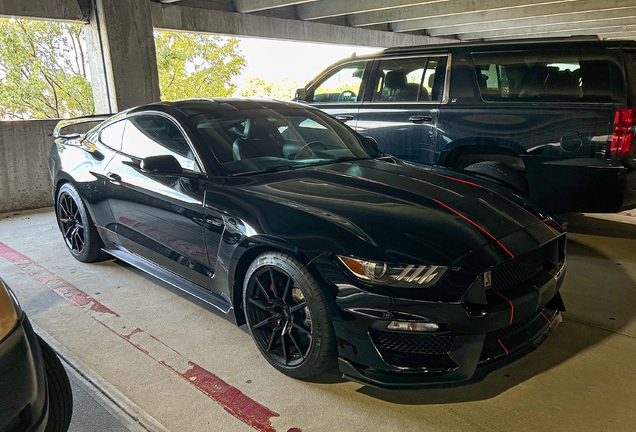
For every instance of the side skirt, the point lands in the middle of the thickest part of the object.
(221, 302)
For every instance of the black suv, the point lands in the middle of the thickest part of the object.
(553, 118)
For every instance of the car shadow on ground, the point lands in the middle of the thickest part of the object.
(579, 332)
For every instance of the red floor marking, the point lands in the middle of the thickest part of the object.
(230, 398)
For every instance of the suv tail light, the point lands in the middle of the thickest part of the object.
(623, 135)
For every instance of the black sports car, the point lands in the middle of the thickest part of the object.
(289, 221)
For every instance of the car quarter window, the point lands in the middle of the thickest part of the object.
(111, 134)
(343, 85)
(153, 135)
(542, 76)
(410, 80)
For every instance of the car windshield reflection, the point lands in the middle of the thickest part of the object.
(266, 140)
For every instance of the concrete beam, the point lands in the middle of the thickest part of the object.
(555, 29)
(577, 18)
(210, 21)
(441, 9)
(58, 10)
(477, 15)
(332, 8)
(247, 6)
(621, 32)
(121, 55)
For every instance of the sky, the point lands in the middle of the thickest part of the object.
(299, 61)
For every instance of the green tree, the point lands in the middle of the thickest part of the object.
(196, 65)
(43, 70)
(283, 89)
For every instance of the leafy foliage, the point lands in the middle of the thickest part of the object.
(44, 68)
(283, 89)
(196, 65)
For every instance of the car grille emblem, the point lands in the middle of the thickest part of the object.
(487, 279)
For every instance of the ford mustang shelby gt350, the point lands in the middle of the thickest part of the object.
(331, 252)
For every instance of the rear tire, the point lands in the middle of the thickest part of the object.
(79, 231)
(288, 316)
(59, 391)
(500, 172)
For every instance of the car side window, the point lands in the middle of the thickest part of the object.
(409, 80)
(111, 135)
(153, 135)
(540, 76)
(343, 85)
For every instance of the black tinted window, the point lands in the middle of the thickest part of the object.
(409, 80)
(540, 76)
(259, 139)
(111, 134)
(151, 135)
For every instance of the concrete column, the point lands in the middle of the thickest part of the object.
(122, 57)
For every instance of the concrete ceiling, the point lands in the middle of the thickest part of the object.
(456, 19)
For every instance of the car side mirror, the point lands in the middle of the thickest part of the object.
(161, 165)
(374, 144)
(301, 94)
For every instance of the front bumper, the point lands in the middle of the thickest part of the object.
(23, 392)
(471, 336)
(494, 354)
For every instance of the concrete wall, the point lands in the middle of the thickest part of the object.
(24, 171)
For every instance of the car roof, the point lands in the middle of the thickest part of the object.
(218, 104)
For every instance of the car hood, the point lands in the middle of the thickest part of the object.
(410, 214)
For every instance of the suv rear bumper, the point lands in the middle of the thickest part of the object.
(579, 184)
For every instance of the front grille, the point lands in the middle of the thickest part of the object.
(411, 343)
(517, 270)
(508, 330)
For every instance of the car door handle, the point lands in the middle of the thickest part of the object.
(114, 178)
(344, 118)
(416, 119)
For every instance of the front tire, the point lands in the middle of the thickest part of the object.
(78, 229)
(288, 316)
(59, 391)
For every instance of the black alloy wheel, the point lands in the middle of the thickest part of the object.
(71, 223)
(78, 230)
(288, 317)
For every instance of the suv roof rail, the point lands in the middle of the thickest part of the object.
(590, 38)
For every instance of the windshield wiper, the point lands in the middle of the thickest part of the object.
(270, 169)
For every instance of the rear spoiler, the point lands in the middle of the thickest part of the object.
(60, 132)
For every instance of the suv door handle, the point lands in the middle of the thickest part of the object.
(114, 178)
(416, 119)
(344, 118)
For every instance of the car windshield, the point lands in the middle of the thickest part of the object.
(262, 140)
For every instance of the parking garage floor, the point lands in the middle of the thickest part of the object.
(170, 362)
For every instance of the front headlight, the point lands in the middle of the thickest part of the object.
(407, 276)
(8, 312)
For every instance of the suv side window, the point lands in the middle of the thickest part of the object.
(111, 135)
(344, 85)
(153, 135)
(409, 80)
(541, 76)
